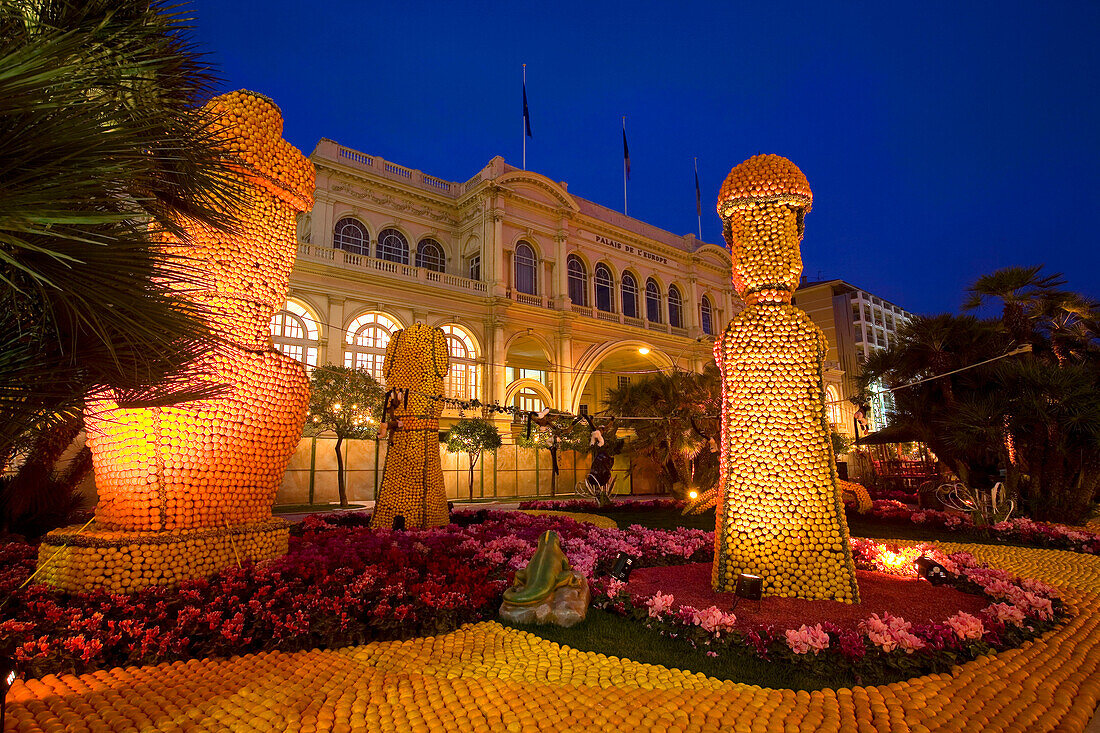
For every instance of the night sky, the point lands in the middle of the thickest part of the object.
(942, 140)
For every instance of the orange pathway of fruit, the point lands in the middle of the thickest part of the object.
(485, 677)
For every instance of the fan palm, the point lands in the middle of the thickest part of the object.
(103, 149)
(1020, 290)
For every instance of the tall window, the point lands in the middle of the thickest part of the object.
(630, 296)
(393, 246)
(528, 400)
(652, 301)
(525, 266)
(605, 289)
(351, 235)
(429, 255)
(295, 333)
(461, 381)
(475, 267)
(366, 341)
(832, 405)
(578, 281)
(675, 307)
(707, 313)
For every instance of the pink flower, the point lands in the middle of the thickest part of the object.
(806, 638)
(1006, 613)
(659, 603)
(615, 587)
(966, 626)
(713, 619)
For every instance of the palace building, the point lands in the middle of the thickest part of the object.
(547, 299)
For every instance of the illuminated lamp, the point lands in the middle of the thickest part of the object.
(930, 570)
(398, 523)
(643, 350)
(622, 566)
(749, 587)
(693, 494)
(7, 674)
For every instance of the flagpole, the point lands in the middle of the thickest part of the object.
(698, 208)
(525, 119)
(624, 165)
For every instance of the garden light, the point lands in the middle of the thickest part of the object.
(749, 587)
(693, 494)
(930, 570)
(7, 675)
(620, 569)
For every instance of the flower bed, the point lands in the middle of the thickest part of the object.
(587, 505)
(343, 583)
(1016, 610)
(1019, 530)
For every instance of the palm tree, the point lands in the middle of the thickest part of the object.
(684, 408)
(103, 149)
(1020, 290)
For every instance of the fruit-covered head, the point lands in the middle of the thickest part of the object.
(763, 203)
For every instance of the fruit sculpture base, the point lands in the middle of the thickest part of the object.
(121, 562)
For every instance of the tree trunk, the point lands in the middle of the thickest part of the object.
(474, 455)
(340, 472)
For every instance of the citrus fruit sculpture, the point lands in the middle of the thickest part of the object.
(779, 513)
(412, 482)
(186, 490)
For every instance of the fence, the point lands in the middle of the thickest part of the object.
(506, 473)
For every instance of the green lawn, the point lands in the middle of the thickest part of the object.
(606, 633)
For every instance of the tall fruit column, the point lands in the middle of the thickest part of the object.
(779, 513)
(186, 490)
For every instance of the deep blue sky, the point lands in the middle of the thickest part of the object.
(942, 140)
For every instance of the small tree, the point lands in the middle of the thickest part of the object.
(556, 432)
(347, 402)
(472, 435)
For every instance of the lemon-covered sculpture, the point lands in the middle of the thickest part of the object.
(779, 513)
(186, 489)
(416, 362)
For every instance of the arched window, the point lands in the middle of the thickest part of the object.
(605, 289)
(832, 405)
(462, 380)
(578, 281)
(393, 246)
(652, 301)
(294, 333)
(630, 296)
(429, 255)
(675, 307)
(707, 313)
(366, 340)
(351, 235)
(526, 269)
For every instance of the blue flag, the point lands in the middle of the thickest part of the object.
(526, 117)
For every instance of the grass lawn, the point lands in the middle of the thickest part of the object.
(606, 633)
(301, 508)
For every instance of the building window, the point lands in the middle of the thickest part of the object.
(605, 289)
(525, 266)
(675, 307)
(832, 405)
(583, 409)
(352, 236)
(578, 281)
(707, 316)
(624, 382)
(366, 340)
(429, 255)
(652, 301)
(528, 400)
(392, 246)
(294, 332)
(630, 296)
(511, 374)
(462, 380)
(475, 267)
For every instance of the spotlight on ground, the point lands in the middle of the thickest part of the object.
(930, 570)
(624, 563)
(749, 587)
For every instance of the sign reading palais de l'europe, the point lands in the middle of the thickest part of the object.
(630, 250)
